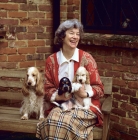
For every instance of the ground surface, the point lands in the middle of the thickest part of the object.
(4, 135)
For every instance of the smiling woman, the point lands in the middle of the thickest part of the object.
(75, 123)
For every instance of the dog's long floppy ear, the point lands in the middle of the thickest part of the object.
(87, 77)
(60, 92)
(70, 87)
(39, 84)
(25, 90)
(75, 79)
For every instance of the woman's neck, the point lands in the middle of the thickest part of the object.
(68, 53)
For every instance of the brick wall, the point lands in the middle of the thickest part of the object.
(29, 33)
(29, 39)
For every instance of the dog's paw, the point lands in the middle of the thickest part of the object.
(24, 118)
(75, 87)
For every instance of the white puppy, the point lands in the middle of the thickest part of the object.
(33, 94)
(82, 77)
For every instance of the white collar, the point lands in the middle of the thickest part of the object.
(62, 59)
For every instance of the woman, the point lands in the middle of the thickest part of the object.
(75, 123)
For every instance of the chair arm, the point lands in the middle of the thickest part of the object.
(107, 105)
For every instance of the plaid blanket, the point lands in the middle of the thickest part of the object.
(75, 124)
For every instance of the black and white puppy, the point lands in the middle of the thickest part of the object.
(65, 87)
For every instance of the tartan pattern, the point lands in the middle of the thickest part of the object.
(75, 124)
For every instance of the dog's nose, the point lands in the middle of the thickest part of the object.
(29, 83)
(80, 80)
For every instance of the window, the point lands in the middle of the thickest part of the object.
(110, 16)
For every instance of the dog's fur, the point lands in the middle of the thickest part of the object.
(33, 95)
(65, 87)
(82, 77)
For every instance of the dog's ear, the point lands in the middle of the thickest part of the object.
(25, 90)
(75, 79)
(39, 85)
(70, 87)
(87, 77)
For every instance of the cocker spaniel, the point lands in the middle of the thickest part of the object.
(33, 95)
(65, 87)
(82, 77)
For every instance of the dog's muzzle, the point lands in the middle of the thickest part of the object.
(65, 88)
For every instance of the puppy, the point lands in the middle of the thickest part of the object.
(65, 87)
(82, 77)
(33, 95)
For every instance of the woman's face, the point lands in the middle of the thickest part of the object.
(72, 37)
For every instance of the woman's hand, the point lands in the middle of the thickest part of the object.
(63, 97)
(81, 92)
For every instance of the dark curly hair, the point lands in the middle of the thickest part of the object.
(63, 27)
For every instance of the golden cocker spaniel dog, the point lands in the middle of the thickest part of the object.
(33, 94)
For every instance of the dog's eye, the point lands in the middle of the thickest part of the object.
(27, 75)
(33, 75)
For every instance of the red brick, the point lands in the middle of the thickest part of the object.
(133, 131)
(44, 36)
(40, 63)
(17, 44)
(120, 97)
(26, 50)
(9, 21)
(63, 8)
(119, 82)
(127, 91)
(30, 7)
(114, 118)
(8, 51)
(49, 15)
(8, 65)
(3, 45)
(128, 107)
(128, 62)
(121, 68)
(9, 6)
(120, 127)
(3, 14)
(104, 66)
(45, 22)
(133, 100)
(130, 77)
(35, 29)
(3, 58)
(27, 64)
(36, 15)
(45, 7)
(133, 115)
(133, 85)
(119, 112)
(17, 14)
(25, 36)
(113, 74)
(115, 104)
(134, 70)
(99, 58)
(36, 43)
(125, 136)
(16, 58)
(44, 49)
(113, 60)
(115, 89)
(28, 21)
